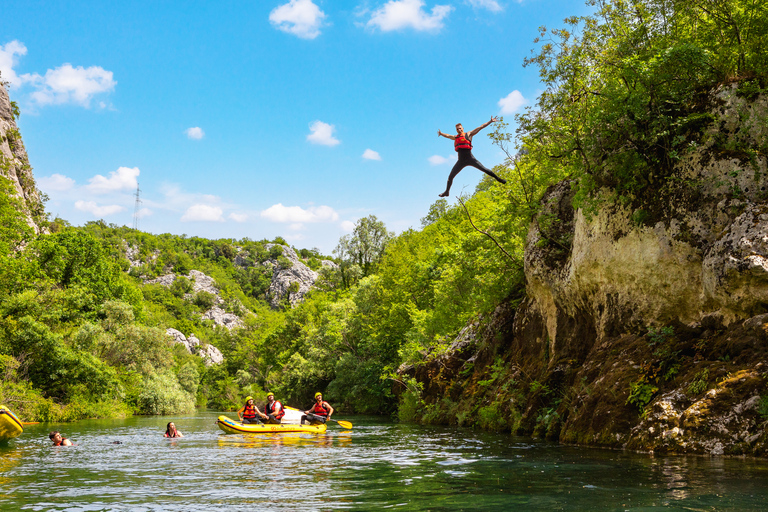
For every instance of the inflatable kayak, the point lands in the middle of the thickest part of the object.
(235, 427)
(10, 425)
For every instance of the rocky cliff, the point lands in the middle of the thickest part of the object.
(14, 163)
(644, 325)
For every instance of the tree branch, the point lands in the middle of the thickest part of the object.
(487, 234)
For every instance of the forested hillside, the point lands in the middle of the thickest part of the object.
(501, 310)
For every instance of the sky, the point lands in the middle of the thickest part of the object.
(258, 119)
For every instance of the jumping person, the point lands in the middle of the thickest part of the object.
(462, 143)
(273, 411)
(248, 412)
(55, 436)
(170, 431)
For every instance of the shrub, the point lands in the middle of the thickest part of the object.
(410, 402)
(162, 394)
(641, 393)
(189, 378)
(181, 286)
(204, 300)
(699, 382)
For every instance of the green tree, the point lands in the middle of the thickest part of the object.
(366, 245)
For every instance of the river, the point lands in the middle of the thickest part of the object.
(376, 465)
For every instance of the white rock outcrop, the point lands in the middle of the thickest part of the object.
(210, 354)
(283, 279)
(707, 259)
(204, 283)
(14, 162)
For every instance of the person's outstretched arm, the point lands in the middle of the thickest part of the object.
(476, 130)
(447, 136)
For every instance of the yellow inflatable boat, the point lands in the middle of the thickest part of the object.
(235, 427)
(10, 425)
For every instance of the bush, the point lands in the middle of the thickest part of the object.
(189, 378)
(181, 286)
(641, 393)
(410, 406)
(162, 394)
(204, 300)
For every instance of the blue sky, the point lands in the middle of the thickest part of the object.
(266, 118)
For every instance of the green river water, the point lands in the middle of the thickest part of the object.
(376, 465)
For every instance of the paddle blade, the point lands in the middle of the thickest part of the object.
(344, 424)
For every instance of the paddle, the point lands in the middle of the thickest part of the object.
(343, 423)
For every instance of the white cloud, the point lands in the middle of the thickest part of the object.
(8, 60)
(370, 154)
(512, 103)
(99, 211)
(297, 214)
(440, 160)
(56, 182)
(67, 84)
(399, 14)
(491, 5)
(322, 133)
(238, 217)
(301, 18)
(144, 212)
(195, 133)
(203, 212)
(62, 85)
(347, 226)
(122, 179)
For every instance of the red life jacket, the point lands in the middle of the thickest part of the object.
(60, 443)
(249, 412)
(269, 409)
(319, 409)
(462, 142)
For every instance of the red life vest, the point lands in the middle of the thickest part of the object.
(269, 409)
(319, 409)
(462, 142)
(60, 443)
(249, 412)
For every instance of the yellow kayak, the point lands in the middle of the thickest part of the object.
(235, 427)
(10, 425)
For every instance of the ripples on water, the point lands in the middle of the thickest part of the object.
(376, 465)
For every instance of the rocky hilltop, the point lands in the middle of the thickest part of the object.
(644, 326)
(14, 163)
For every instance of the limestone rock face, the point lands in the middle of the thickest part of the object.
(221, 317)
(597, 283)
(292, 282)
(14, 163)
(204, 283)
(724, 419)
(210, 354)
(709, 256)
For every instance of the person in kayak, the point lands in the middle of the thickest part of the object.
(170, 431)
(273, 410)
(248, 413)
(55, 436)
(462, 143)
(320, 412)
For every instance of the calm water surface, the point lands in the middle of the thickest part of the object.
(376, 465)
